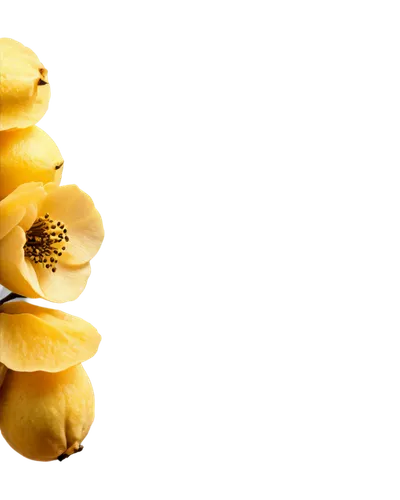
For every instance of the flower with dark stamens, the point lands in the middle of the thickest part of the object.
(28, 241)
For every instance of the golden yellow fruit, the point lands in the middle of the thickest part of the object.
(24, 87)
(45, 416)
(28, 155)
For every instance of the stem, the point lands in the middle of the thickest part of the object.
(11, 296)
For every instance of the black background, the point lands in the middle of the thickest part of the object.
(81, 117)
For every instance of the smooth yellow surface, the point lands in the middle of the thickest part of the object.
(18, 212)
(44, 415)
(23, 101)
(20, 207)
(28, 155)
(35, 338)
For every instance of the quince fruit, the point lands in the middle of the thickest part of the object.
(24, 86)
(45, 416)
(28, 155)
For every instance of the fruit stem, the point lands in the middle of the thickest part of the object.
(11, 296)
(62, 458)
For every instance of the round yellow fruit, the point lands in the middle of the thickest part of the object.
(24, 86)
(45, 416)
(28, 155)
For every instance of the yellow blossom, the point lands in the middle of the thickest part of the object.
(48, 235)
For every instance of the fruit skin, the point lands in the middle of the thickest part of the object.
(24, 87)
(46, 415)
(28, 155)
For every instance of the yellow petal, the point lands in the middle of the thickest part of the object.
(64, 285)
(28, 155)
(20, 275)
(35, 338)
(85, 227)
(20, 207)
(10, 218)
(31, 213)
(16, 272)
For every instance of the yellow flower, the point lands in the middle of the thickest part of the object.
(45, 416)
(48, 235)
(35, 338)
(28, 155)
(24, 87)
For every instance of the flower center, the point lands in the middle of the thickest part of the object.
(45, 242)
